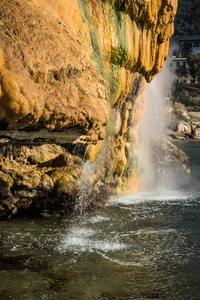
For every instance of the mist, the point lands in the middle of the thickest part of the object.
(162, 171)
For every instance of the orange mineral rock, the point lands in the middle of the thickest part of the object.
(70, 76)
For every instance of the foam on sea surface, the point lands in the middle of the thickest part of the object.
(160, 196)
(80, 239)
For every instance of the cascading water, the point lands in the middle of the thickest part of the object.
(154, 148)
(82, 201)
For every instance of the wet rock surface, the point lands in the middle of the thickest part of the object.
(38, 180)
(72, 76)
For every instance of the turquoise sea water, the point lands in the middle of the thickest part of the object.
(140, 246)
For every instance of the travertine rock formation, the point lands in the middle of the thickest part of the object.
(72, 74)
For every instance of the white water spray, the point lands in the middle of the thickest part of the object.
(82, 197)
(153, 124)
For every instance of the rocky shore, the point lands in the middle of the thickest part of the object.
(183, 124)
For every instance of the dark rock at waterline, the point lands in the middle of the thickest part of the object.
(30, 187)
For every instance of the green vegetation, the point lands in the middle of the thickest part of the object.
(193, 62)
(119, 52)
(187, 20)
(181, 96)
(96, 54)
(192, 68)
(187, 94)
(182, 71)
(187, 23)
(121, 5)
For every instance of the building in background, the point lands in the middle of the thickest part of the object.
(183, 45)
(185, 89)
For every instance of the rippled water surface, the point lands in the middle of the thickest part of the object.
(142, 246)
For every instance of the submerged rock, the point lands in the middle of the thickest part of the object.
(72, 76)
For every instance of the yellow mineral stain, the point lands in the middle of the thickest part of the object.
(130, 43)
(93, 151)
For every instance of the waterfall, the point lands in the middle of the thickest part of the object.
(82, 199)
(153, 130)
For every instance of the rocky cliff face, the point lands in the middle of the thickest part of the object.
(72, 75)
